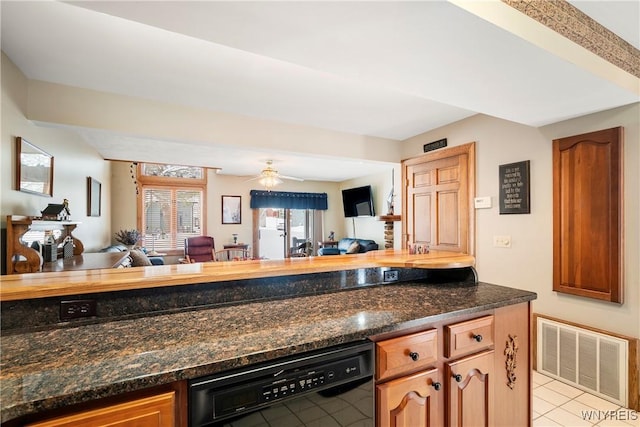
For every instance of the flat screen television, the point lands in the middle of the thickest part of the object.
(358, 201)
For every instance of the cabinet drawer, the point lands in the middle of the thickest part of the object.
(467, 337)
(406, 354)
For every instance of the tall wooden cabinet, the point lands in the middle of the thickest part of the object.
(587, 215)
(452, 373)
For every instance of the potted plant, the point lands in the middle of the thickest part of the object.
(129, 238)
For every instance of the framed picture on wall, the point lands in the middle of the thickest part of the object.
(231, 210)
(34, 169)
(94, 194)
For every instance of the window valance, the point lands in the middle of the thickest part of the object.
(288, 200)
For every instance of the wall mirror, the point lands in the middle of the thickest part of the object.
(34, 169)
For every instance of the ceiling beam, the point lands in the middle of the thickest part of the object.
(563, 30)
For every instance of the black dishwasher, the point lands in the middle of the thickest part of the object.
(328, 387)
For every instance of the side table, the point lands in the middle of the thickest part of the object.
(236, 246)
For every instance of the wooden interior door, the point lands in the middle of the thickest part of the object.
(437, 203)
(587, 215)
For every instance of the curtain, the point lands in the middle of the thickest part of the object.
(288, 200)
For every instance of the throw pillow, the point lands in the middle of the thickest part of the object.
(139, 258)
(353, 248)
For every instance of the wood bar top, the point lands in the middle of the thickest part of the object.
(40, 285)
(87, 261)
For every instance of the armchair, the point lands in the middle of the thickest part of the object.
(199, 249)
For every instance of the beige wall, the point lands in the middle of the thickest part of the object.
(528, 263)
(74, 161)
(151, 119)
(217, 186)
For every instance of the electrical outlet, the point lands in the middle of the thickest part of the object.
(502, 241)
(75, 309)
(390, 276)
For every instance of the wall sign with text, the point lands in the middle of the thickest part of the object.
(514, 188)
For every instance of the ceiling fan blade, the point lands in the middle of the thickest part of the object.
(254, 178)
(293, 178)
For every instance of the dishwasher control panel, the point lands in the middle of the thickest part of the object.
(299, 382)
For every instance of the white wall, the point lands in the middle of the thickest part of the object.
(528, 264)
(74, 161)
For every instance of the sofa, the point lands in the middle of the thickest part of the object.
(138, 256)
(364, 245)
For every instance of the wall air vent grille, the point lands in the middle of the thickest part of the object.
(594, 362)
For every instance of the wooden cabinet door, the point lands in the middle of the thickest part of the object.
(155, 411)
(411, 401)
(470, 382)
(587, 215)
(438, 191)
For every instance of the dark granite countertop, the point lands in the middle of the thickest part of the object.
(59, 367)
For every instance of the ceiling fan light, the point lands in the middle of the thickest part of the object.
(270, 181)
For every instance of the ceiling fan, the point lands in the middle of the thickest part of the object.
(269, 177)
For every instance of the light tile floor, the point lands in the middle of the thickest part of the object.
(558, 404)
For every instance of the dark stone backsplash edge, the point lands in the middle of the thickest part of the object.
(44, 313)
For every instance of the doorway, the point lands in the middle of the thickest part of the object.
(279, 232)
(437, 203)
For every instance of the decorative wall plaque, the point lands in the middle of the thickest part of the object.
(514, 188)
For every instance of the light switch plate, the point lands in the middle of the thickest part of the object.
(502, 241)
(482, 202)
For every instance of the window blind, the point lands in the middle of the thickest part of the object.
(170, 216)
